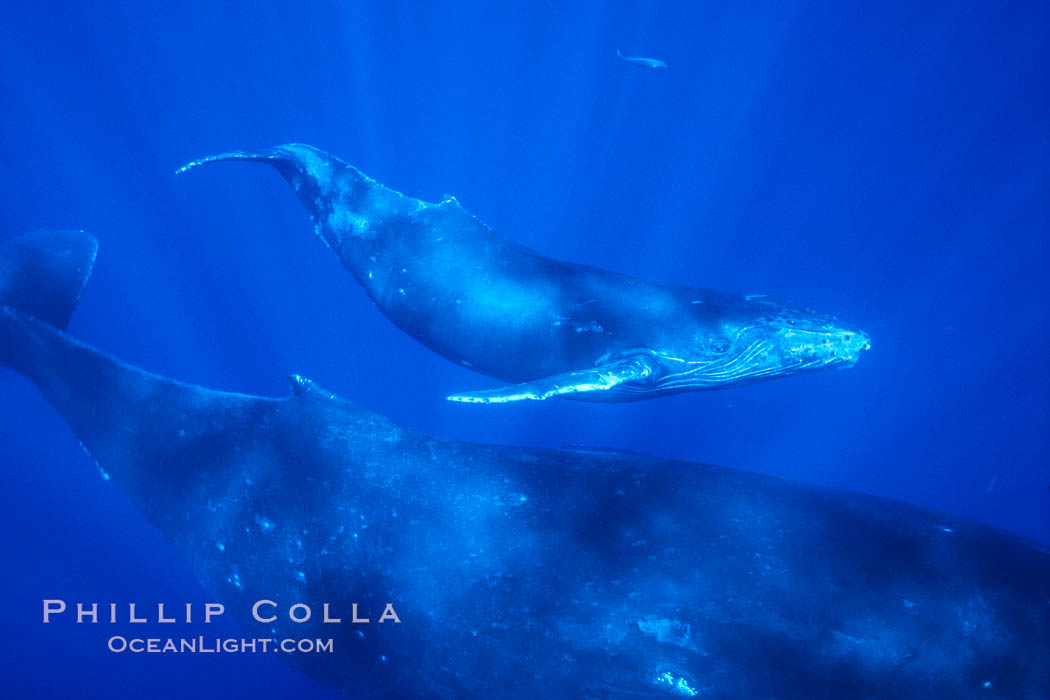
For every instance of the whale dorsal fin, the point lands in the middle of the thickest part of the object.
(304, 388)
(587, 383)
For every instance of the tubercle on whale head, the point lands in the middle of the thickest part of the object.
(794, 340)
(760, 338)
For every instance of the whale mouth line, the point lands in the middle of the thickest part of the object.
(724, 370)
(761, 359)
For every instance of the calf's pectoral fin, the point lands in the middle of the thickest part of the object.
(589, 382)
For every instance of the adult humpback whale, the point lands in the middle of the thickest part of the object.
(551, 328)
(523, 573)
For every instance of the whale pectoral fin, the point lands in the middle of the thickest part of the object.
(590, 382)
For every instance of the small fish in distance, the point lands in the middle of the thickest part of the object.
(643, 61)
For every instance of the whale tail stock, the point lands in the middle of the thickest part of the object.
(42, 276)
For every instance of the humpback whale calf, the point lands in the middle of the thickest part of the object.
(548, 327)
(524, 573)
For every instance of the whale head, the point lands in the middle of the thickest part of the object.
(755, 338)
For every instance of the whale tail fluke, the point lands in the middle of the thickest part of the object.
(298, 163)
(41, 278)
(259, 156)
(295, 162)
(307, 169)
(328, 188)
(43, 274)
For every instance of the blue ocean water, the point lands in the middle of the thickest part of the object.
(888, 163)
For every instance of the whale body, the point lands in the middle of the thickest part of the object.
(548, 327)
(520, 572)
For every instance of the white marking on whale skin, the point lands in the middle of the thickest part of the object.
(315, 166)
(589, 327)
(235, 579)
(668, 631)
(344, 219)
(677, 684)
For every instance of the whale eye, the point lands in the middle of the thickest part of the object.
(719, 345)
